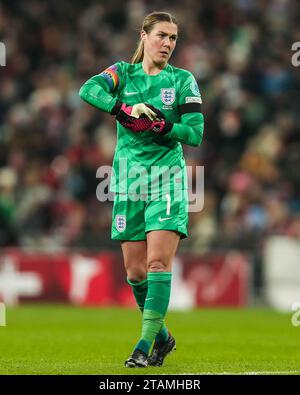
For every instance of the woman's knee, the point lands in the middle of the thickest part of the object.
(157, 265)
(135, 272)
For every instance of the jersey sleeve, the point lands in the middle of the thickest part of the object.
(101, 90)
(190, 129)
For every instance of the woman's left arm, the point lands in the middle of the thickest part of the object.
(190, 128)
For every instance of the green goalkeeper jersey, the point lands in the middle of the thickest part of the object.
(142, 161)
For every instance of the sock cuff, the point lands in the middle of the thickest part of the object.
(134, 284)
(159, 276)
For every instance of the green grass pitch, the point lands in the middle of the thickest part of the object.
(70, 340)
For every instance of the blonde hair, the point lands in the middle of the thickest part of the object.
(148, 24)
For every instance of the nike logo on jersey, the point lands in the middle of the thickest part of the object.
(163, 219)
(130, 93)
(148, 299)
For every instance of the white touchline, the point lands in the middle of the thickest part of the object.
(243, 373)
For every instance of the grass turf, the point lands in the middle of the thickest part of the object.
(69, 340)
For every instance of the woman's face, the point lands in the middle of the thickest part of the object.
(160, 42)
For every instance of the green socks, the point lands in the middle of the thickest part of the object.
(155, 308)
(140, 290)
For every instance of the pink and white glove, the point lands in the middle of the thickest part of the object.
(137, 118)
(161, 127)
(141, 117)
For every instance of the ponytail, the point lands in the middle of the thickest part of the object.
(139, 53)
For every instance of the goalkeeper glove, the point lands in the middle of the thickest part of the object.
(140, 109)
(137, 118)
(160, 126)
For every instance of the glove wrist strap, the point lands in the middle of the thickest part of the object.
(168, 127)
(116, 108)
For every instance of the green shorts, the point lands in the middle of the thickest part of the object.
(134, 216)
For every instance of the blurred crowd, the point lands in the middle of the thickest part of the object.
(51, 143)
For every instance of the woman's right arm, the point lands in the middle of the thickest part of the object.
(99, 90)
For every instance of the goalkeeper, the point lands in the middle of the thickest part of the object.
(157, 107)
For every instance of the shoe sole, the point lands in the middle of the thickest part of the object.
(160, 364)
(133, 364)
